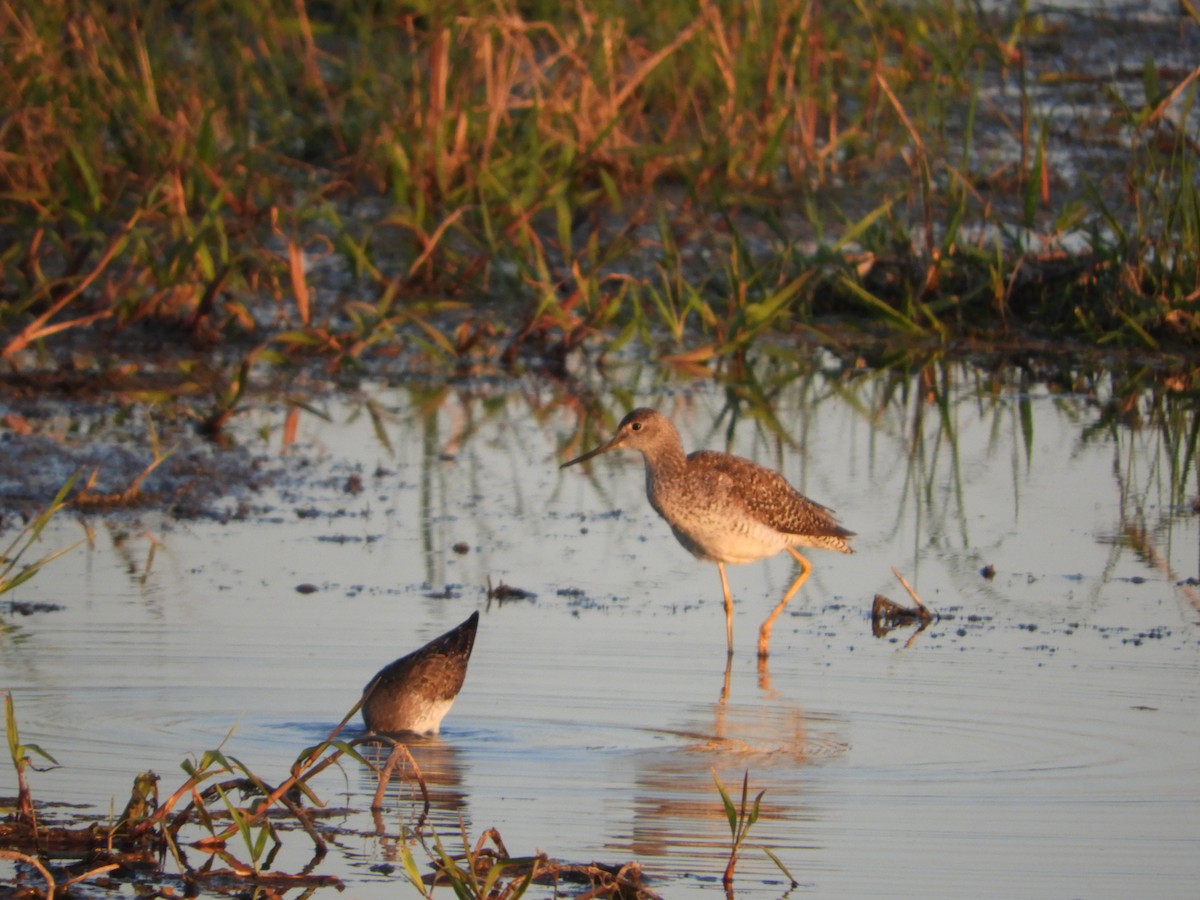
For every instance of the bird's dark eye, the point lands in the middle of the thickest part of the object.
(636, 426)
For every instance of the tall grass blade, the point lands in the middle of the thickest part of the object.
(30, 535)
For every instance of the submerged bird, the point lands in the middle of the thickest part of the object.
(416, 691)
(724, 508)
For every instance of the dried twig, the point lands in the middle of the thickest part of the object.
(36, 863)
(907, 587)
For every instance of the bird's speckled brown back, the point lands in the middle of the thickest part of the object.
(768, 497)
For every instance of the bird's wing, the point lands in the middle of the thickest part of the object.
(769, 497)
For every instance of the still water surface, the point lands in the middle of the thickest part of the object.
(1038, 740)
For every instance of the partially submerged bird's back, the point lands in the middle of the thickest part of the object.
(414, 693)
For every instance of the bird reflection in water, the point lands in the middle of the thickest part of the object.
(677, 812)
(415, 782)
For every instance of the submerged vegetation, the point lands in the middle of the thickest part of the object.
(235, 821)
(497, 180)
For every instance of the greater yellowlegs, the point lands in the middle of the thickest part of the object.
(416, 691)
(724, 508)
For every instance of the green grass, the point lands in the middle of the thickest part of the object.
(12, 572)
(300, 180)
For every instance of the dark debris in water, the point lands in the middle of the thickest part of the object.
(28, 608)
(503, 592)
(579, 600)
(979, 623)
(887, 615)
(349, 538)
(1151, 634)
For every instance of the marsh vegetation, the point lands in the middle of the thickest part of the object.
(488, 181)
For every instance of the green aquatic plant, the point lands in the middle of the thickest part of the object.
(20, 753)
(486, 871)
(478, 873)
(10, 575)
(742, 817)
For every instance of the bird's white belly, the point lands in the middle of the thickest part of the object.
(718, 541)
(427, 716)
(711, 521)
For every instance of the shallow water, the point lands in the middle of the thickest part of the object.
(1037, 740)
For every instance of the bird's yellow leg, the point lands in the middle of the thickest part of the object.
(728, 607)
(764, 634)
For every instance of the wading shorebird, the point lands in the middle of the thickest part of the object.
(724, 508)
(415, 692)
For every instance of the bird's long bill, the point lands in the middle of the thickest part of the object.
(603, 448)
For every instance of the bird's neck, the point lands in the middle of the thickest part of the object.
(663, 465)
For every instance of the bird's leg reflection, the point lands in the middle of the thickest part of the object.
(673, 809)
(764, 678)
